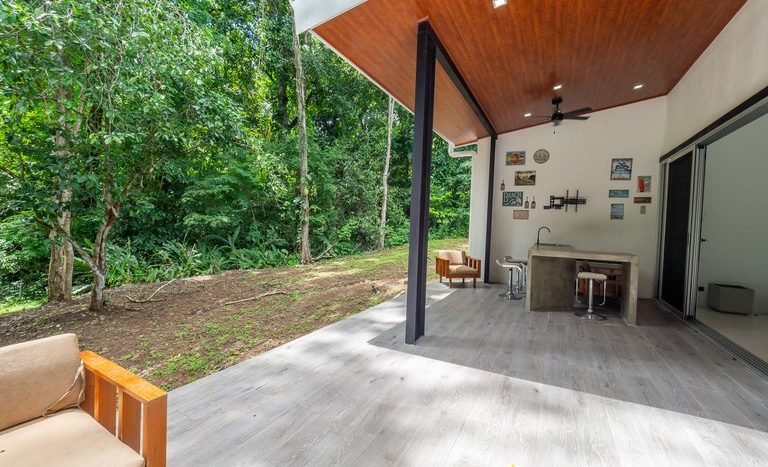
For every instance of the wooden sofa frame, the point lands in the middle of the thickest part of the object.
(127, 406)
(443, 268)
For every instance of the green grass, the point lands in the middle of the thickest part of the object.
(7, 308)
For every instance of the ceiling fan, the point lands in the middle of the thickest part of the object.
(558, 115)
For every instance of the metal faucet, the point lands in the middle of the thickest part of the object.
(538, 235)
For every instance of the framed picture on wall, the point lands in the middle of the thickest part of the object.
(512, 199)
(525, 178)
(644, 184)
(515, 158)
(621, 168)
(618, 193)
(642, 200)
(520, 214)
(617, 211)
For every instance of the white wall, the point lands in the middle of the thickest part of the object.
(735, 217)
(581, 154)
(478, 201)
(733, 68)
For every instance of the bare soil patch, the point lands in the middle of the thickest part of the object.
(189, 330)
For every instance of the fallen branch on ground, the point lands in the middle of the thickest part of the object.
(149, 300)
(326, 254)
(250, 299)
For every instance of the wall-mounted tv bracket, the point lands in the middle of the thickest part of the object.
(560, 202)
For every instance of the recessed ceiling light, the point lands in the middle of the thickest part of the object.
(638, 86)
(499, 3)
(527, 114)
(557, 87)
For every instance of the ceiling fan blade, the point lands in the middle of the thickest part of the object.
(548, 117)
(579, 111)
(574, 117)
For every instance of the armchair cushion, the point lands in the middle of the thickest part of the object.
(70, 438)
(461, 269)
(39, 377)
(455, 257)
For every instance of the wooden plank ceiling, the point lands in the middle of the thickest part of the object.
(511, 57)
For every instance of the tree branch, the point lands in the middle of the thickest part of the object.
(148, 300)
(10, 174)
(250, 299)
(80, 250)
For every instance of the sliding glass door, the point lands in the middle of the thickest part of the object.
(732, 267)
(713, 241)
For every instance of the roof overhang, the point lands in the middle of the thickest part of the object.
(511, 57)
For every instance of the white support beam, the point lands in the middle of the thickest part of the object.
(312, 13)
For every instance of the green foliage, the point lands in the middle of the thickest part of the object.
(23, 258)
(174, 260)
(183, 114)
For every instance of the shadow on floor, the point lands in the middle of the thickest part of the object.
(662, 363)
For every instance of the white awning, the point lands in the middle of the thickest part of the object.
(311, 13)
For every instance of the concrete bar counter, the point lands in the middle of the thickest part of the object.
(552, 277)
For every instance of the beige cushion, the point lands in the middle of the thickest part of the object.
(461, 269)
(37, 374)
(593, 275)
(455, 257)
(70, 438)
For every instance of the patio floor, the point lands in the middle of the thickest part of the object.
(490, 384)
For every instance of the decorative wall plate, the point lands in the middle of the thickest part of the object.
(541, 156)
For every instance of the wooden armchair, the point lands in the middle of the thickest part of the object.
(61, 406)
(127, 406)
(453, 264)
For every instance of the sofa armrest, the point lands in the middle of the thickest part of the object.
(128, 406)
(474, 263)
(442, 266)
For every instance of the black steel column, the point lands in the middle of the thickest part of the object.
(489, 212)
(421, 164)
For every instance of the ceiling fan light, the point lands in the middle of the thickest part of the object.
(498, 3)
(557, 87)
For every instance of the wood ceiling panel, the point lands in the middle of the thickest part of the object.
(512, 56)
(454, 118)
(391, 62)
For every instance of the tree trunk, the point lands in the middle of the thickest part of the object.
(99, 271)
(60, 267)
(62, 256)
(305, 251)
(98, 261)
(385, 176)
(98, 302)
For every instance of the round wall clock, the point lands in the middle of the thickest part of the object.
(541, 156)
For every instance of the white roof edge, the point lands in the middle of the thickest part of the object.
(313, 13)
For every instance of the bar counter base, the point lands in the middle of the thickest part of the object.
(551, 278)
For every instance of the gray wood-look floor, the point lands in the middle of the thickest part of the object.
(490, 384)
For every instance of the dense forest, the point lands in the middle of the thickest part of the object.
(144, 140)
